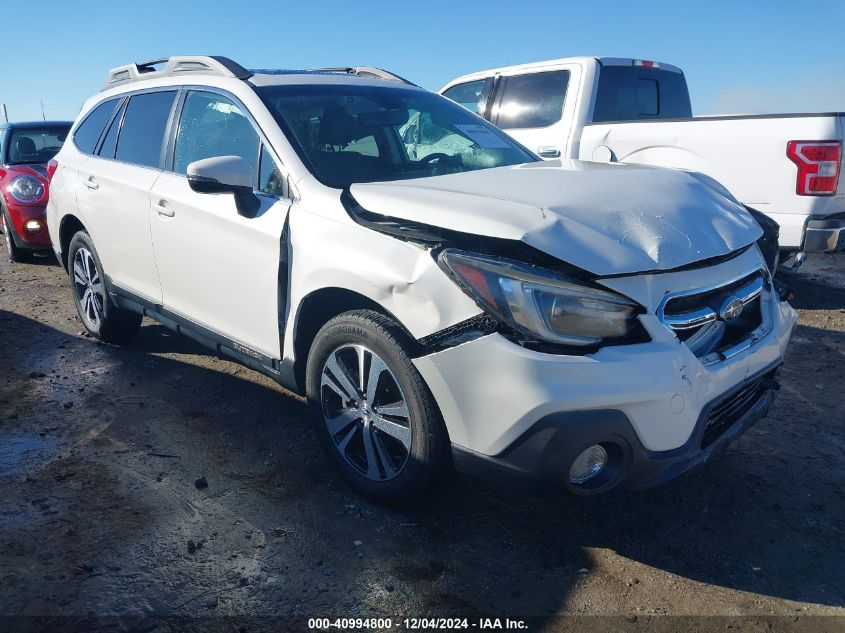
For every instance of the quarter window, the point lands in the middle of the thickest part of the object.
(88, 133)
(144, 124)
(110, 141)
(468, 94)
(213, 125)
(530, 101)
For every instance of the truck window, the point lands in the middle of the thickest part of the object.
(633, 93)
(468, 94)
(532, 101)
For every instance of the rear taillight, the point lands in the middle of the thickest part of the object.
(818, 166)
(52, 166)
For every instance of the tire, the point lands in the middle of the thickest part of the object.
(15, 252)
(100, 316)
(409, 449)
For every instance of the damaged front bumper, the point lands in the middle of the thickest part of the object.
(524, 415)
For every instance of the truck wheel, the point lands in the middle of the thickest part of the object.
(100, 316)
(372, 411)
(16, 254)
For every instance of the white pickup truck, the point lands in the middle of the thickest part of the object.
(635, 111)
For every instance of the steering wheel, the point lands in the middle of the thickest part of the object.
(425, 160)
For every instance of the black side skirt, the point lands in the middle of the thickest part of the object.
(279, 369)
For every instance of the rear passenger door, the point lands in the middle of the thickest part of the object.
(219, 269)
(113, 193)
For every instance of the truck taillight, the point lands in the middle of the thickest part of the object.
(52, 166)
(818, 166)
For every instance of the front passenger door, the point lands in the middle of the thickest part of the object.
(220, 269)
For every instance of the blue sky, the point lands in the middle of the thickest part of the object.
(763, 56)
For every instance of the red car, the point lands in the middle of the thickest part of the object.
(25, 149)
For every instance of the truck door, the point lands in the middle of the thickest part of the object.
(473, 95)
(532, 107)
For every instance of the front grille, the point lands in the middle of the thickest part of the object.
(727, 412)
(719, 322)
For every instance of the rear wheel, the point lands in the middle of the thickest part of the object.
(100, 316)
(15, 253)
(372, 411)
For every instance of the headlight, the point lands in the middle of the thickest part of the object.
(542, 305)
(26, 189)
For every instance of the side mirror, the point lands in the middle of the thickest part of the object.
(225, 174)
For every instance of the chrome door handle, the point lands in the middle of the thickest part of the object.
(164, 210)
(548, 152)
(91, 184)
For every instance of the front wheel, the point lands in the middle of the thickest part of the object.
(100, 316)
(372, 411)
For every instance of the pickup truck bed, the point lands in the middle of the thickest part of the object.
(745, 153)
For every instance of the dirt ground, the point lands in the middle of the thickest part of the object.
(101, 446)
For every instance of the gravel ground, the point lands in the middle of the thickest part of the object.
(102, 513)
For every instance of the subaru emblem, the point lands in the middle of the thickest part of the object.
(731, 309)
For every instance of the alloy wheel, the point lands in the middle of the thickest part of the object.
(89, 286)
(365, 412)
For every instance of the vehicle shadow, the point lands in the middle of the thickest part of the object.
(813, 293)
(764, 517)
(39, 258)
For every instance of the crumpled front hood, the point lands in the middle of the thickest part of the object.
(604, 218)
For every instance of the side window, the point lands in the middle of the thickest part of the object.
(212, 125)
(110, 141)
(530, 101)
(270, 179)
(88, 132)
(144, 125)
(468, 94)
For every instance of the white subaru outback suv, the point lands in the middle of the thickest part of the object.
(569, 324)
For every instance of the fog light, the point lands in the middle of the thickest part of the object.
(32, 226)
(588, 464)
